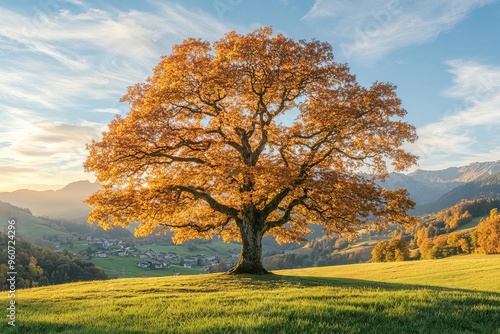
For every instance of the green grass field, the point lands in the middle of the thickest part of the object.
(127, 267)
(452, 295)
(470, 225)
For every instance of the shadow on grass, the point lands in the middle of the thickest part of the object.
(361, 306)
(299, 304)
(34, 327)
(277, 280)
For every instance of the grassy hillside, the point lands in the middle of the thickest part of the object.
(453, 295)
(471, 272)
(27, 225)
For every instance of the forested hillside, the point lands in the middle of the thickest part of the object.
(472, 226)
(485, 187)
(39, 266)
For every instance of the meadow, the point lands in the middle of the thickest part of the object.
(126, 267)
(453, 295)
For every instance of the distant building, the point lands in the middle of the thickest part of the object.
(101, 254)
(144, 265)
(153, 265)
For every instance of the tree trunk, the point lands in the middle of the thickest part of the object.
(250, 261)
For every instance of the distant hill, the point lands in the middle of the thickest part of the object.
(63, 203)
(42, 230)
(424, 187)
(420, 192)
(457, 175)
(35, 229)
(485, 187)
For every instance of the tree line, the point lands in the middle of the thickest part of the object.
(439, 235)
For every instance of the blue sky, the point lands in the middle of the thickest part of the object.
(64, 64)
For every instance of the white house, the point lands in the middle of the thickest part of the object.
(144, 265)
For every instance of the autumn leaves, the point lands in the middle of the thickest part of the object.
(207, 145)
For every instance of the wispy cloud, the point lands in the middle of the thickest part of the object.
(469, 130)
(64, 70)
(94, 47)
(108, 110)
(369, 29)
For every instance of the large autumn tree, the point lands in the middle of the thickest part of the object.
(252, 135)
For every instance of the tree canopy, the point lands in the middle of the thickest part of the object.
(252, 135)
(487, 234)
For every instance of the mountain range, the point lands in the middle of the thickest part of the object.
(63, 203)
(484, 187)
(425, 188)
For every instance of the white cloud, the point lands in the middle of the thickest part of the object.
(469, 131)
(95, 53)
(75, 2)
(44, 140)
(35, 151)
(107, 110)
(369, 29)
(473, 80)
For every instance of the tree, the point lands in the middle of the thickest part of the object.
(379, 252)
(252, 135)
(394, 250)
(427, 249)
(487, 234)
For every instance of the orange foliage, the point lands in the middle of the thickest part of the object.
(488, 234)
(253, 130)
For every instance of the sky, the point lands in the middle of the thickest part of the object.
(65, 64)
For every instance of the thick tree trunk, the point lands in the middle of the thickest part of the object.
(250, 261)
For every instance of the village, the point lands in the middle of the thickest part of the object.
(156, 260)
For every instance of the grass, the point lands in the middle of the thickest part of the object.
(408, 297)
(27, 224)
(127, 267)
(470, 225)
(472, 272)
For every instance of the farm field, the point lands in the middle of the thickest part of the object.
(116, 266)
(452, 295)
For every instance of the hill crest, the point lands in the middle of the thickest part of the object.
(471, 172)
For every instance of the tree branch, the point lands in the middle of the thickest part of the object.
(193, 226)
(219, 207)
(286, 215)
